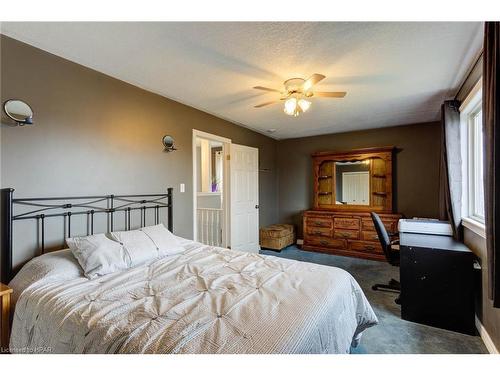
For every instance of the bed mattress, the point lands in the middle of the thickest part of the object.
(204, 300)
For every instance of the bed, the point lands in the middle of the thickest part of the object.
(201, 300)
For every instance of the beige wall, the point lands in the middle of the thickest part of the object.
(487, 314)
(416, 168)
(94, 134)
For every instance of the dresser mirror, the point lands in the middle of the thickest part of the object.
(352, 182)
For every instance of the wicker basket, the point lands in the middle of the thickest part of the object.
(277, 236)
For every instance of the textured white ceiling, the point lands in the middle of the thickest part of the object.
(394, 73)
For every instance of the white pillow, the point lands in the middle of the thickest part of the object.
(165, 241)
(137, 244)
(148, 243)
(98, 255)
(56, 265)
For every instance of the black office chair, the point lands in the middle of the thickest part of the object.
(391, 254)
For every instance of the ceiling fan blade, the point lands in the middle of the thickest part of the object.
(266, 103)
(331, 94)
(312, 80)
(266, 89)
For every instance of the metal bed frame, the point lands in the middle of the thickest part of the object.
(68, 207)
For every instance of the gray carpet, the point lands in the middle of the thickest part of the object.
(392, 335)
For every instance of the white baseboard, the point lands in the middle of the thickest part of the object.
(300, 241)
(486, 337)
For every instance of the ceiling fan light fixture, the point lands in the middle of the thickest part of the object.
(307, 85)
(304, 104)
(297, 91)
(291, 107)
(294, 107)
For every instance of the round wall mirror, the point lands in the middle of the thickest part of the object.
(18, 111)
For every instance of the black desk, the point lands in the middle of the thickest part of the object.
(437, 282)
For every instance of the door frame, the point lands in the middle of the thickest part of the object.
(226, 206)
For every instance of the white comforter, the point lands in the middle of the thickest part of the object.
(205, 300)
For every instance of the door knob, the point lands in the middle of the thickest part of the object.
(257, 206)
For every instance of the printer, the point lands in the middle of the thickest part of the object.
(425, 226)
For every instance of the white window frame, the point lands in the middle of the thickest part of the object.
(471, 106)
(473, 162)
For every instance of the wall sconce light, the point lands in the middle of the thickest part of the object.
(18, 111)
(168, 143)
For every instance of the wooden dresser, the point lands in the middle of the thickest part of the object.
(345, 233)
(348, 186)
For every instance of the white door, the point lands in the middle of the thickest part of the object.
(244, 164)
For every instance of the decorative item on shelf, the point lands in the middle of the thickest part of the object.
(18, 111)
(215, 185)
(168, 143)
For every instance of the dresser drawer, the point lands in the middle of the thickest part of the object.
(390, 225)
(325, 242)
(319, 231)
(369, 236)
(347, 234)
(346, 223)
(321, 222)
(368, 247)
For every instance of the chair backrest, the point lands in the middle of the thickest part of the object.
(383, 237)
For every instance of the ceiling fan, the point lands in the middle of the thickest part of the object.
(296, 92)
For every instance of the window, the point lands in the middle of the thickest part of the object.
(475, 164)
(471, 116)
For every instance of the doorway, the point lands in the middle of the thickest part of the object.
(210, 189)
(225, 193)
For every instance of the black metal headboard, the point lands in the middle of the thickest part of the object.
(68, 207)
